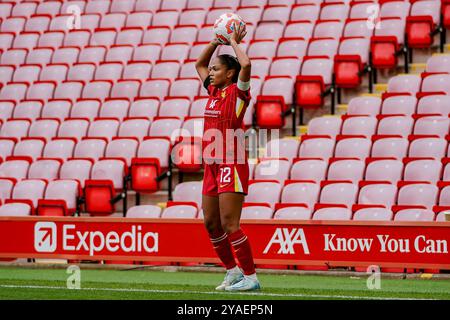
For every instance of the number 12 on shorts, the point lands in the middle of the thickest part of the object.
(225, 175)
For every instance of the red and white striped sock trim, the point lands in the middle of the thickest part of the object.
(239, 241)
(216, 240)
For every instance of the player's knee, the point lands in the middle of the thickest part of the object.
(211, 225)
(230, 225)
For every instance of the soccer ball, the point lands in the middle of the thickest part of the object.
(223, 27)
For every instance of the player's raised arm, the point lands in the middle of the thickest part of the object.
(236, 38)
(203, 60)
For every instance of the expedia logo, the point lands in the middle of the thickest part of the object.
(285, 240)
(94, 242)
(45, 237)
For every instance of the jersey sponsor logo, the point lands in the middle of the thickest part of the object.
(213, 103)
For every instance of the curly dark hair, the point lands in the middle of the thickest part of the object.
(231, 62)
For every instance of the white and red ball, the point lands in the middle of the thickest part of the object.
(224, 27)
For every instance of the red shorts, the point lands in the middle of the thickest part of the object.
(219, 178)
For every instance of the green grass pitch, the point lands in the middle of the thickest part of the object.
(32, 283)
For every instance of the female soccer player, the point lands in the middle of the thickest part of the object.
(226, 172)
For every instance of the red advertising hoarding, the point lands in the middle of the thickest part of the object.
(285, 242)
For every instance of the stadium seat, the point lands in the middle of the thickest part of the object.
(144, 211)
(309, 169)
(107, 177)
(300, 192)
(390, 146)
(97, 89)
(54, 72)
(264, 191)
(328, 29)
(350, 63)
(91, 148)
(184, 34)
(436, 83)
(134, 128)
(83, 71)
(122, 148)
(282, 148)
(293, 213)
(316, 147)
(189, 191)
(369, 106)
(400, 105)
(68, 55)
(61, 198)
(330, 126)
(429, 147)
(6, 187)
(26, 73)
(350, 169)
(29, 147)
(323, 47)
(384, 169)
(70, 90)
(332, 214)
(100, 6)
(152, 160)
(387, 41)
(421, 23)
(13, 209)
(417, 194)
(155, 88)
(359, 125)
(375, 193)
(314, 82)
(272, 169)
(434, 104)
(335, 192)
(85, 108)
(414, 215)
(125, 89)
(179, 211)
(122, 6)
(135, 70)
(395, 125)
(60, 148)
(15, 128)
(305, 12)
(373, 214)
(29, 191)
(76, 169)
(334, 11)
(438, 63)
(432, 125)
(151, 5)
(423, 170)
(140, 19)
(302, 30)
(30, 109)
(48, 125)
(262, 49)
(352, 147)
(256, 211)
(7, 146)
(73, 128)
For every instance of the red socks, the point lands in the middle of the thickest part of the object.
(219, 240)
(243, 252)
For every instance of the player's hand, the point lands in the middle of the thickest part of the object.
(239, 33)
(215, 42)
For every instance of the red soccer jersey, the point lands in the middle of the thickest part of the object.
(224, 112)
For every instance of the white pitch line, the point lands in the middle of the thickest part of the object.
(262, 294)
